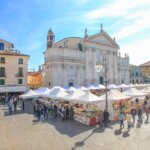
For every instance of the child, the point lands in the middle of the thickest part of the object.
(128, 118)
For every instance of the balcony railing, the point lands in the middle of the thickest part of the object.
(2, 62)
(3, 75)
(20, 74)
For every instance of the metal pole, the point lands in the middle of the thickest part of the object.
(106, 81)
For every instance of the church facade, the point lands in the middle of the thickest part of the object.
(73, 61)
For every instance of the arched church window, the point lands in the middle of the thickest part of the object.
(1, 46)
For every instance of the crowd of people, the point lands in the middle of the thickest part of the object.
(12, 101)
(137, 111)
(51, 110)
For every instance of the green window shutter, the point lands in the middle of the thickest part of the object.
(20, 81)
(2, 82)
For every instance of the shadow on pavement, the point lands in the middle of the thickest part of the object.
(126, 134)
(68, 127)
(146, 121)
(81, 143)
(118, 132)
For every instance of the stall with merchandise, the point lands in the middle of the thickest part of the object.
(87, 108)
(116, 102)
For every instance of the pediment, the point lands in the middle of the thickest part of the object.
(103, 38)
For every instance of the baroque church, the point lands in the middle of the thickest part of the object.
(73, 61)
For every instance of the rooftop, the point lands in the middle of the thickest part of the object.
(146, 64)
(12, 53)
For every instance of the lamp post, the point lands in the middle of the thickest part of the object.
(99, 68)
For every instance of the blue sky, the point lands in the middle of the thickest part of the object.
(26, 22)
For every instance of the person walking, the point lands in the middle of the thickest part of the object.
(55, 111)
(15, 104)
(121, 118)
(140, 113)
(101, 119)
(23, 105)
(71, 113)
(128, 118)
(63, 111)
(45, 112)
(67, 112)
(105, 118)
(133, 113)
(147, 112)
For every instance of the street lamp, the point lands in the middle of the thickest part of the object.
(99, 68)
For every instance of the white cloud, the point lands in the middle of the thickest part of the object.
(139, 51)
(133, 14)
(142, 22)
(116, 8)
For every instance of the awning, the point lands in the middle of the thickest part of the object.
(6, 89)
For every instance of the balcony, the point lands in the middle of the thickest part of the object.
(20, 74)
(2, 75)
(2, 62)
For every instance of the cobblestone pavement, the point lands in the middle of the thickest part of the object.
(21, 131)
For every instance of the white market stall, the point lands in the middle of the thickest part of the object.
(138, 96)
(73, 95)
(83, 88)
(56, 93)
(116, 100)
(123, 87)
(101, 87)
(134, 92)
(112, 86)
(29, 94)
(87, 108)
(43, 91)
(70, 89)
(146, 90)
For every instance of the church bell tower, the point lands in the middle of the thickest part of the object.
(50, 38)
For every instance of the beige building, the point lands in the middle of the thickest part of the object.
(72, 61)
(145, 68)
(13, 68)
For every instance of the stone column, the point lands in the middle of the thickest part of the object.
(64, 70)
(87, 66)
(94, 64)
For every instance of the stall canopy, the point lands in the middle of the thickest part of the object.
(29, 94)
(82, 88)
(57, 87)
(70, 89)
(114, 95)
(6, 89)
(92, 87)
(100, 86)
(123, 86)
(73, 95)
(43, 91)
(146, 90)
(56, 93)
(112, 86)
(88, 97)
(131, 85)
(134, 92)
